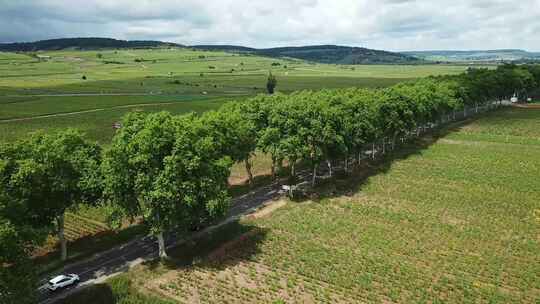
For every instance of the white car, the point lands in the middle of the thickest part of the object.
(62, 281)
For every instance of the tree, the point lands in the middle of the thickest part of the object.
(258, 110)
(234, 131)
(300, 126)
(17, 240)
(283, 137)
(271, 83)
(18, 280)
(45, 175)
(321, 127)
(358, 119)
(169, 171)
(525, 82)
(535, 71)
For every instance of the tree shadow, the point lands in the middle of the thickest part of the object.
(243, 188)
(97, 293)
(218, 248)
(261, 180)
(87, 246)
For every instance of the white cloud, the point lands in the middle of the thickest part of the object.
(386, 24)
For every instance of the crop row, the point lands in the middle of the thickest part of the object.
(77, 227)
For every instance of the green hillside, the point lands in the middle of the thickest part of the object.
(80, 43)
(334, 54)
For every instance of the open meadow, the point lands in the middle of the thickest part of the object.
(93, 89)
(454, 218)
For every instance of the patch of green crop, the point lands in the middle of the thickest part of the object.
(97, 125)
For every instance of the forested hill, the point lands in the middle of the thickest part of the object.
(224, 47)
(323, 53)
(80, 43)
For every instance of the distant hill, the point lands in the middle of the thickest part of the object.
(317, 53)
(471, 56)
(323, 53)
(80, 43)
(223, 47)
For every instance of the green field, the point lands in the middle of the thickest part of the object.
(177, 80)
(97, 125)
(455, 219)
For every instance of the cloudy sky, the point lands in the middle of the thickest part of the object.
(382, 24)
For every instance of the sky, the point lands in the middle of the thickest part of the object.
(396, 25)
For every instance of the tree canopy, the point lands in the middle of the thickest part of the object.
(46, 174)
(167, 169)
(18, 280)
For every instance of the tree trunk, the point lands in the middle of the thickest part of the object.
(329, 164)
(161, 245)
(359, 157)
(273, 168)
(160, 240)
(279, 165)
(292, 178)
(248, 170)
(383, 146)
(61, 237)
(394, 142)
(373, 150)
(346, 163)
(314, 177)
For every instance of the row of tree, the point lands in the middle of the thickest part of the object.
(172, 170)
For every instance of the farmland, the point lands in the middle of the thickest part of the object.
(47, 91)
(176, 80)
(450, 219)
(92, 90)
